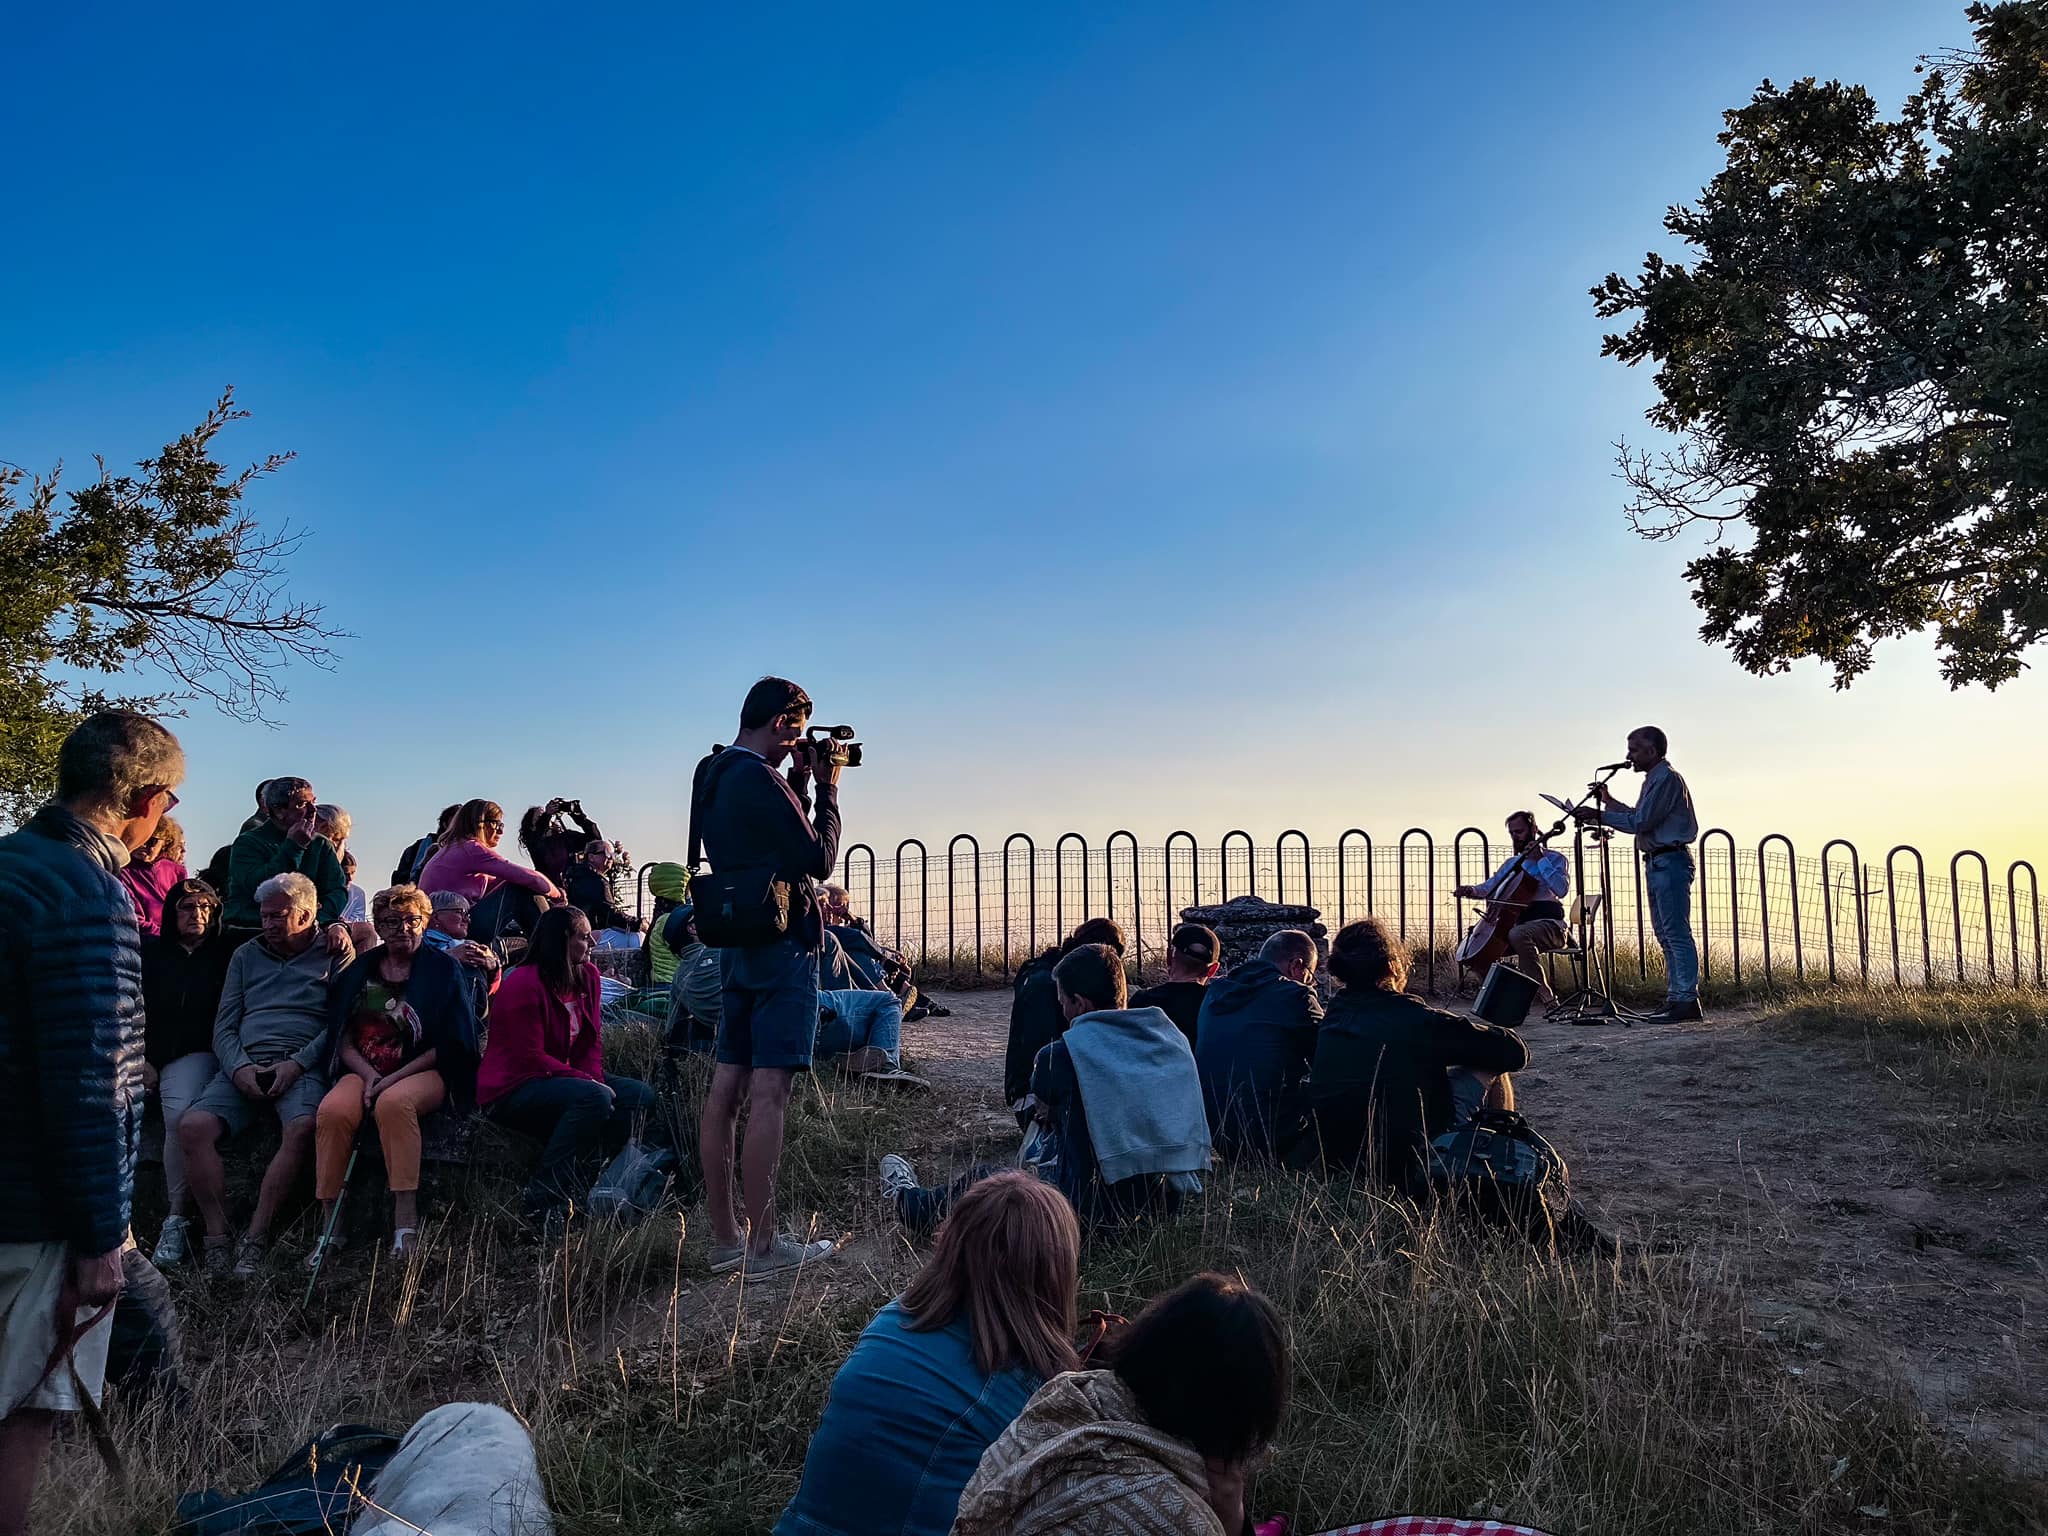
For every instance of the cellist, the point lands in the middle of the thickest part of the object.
(1540, 925)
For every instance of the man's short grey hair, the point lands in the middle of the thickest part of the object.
(1289, 944)
(292, 885)
(277, 793)
(111, 757)
(332, 823)
(449, 901)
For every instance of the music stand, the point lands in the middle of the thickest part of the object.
(1590, 1001)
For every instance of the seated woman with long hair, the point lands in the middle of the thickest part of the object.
(501, 894)
(1160, 1444)
(402, 1039)
(945, 1367)
(543, 1070)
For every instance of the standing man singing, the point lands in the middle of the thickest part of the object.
(1665, 829)
(753, 818)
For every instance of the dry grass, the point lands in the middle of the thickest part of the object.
(1973, 1063)
(1439, 1368)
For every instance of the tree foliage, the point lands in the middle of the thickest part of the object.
(162, 571)
(1855, 364)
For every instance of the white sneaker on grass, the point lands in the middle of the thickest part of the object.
(174, 1243)
(786, 1254)
(897, 1176)
(249, 1256)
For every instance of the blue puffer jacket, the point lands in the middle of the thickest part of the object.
(70, 1036)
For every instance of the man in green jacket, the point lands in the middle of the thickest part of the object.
(285, 843)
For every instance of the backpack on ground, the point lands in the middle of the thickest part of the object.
(634, 1184)
(312, 1493)
(1499, 1166)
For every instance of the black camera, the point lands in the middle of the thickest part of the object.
(833, 744)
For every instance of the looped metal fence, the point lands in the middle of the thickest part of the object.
(1753, 906)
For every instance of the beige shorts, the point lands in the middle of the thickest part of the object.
(31, 1277)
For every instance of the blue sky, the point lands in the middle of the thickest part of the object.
(1142, 416)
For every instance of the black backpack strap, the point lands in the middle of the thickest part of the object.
(701, 784)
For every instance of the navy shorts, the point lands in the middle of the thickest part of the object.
(769, 1005)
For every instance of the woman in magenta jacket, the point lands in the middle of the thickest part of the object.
(543, 1068)
(502, 895)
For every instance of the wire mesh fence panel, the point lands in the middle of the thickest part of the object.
(971, 910)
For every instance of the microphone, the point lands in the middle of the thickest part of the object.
(1611, 767)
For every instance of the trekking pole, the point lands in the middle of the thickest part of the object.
(334, 1216)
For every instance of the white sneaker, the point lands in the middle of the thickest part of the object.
(174, 1243)
(897, 1176)
(786, 1253)
(249, 1256)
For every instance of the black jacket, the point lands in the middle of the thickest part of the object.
(1380, 1090)
(439, 993)
(1035, 1023)
(1256, 1038)
(752, 819)
(70, 1037)
(1180, 1001)
(592, 894)
(181, 991)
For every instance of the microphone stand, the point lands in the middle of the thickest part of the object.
(1591, 1002)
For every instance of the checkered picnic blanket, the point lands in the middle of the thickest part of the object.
(1433, 1525)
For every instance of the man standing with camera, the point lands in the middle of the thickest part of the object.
(768, 847)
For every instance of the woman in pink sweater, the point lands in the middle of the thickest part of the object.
(543, 1068)
(503, 896)
(150, 873)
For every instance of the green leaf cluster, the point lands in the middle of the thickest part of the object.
(161, 573)
(1854, 364)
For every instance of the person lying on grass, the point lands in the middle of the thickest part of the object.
(945, 1367)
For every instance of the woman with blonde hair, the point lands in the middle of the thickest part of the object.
(402, 1039)
(500, 893)
(943, 1369)
(150, 873)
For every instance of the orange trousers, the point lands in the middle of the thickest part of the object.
(398, 1111)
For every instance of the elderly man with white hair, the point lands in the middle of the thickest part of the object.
(271, 1040)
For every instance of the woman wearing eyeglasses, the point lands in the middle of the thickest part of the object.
(403, 1042)
(184, 970)
(501, 894)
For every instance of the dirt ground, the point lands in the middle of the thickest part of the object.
(1791, 1157)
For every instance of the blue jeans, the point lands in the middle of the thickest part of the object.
(851, 1019)
(578, 1122)
(1668, 883)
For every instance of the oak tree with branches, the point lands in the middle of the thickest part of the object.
(1855, 364)
(163, 573)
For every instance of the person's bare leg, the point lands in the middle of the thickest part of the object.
(1500, 1093)
(762, 1154)
(716, 1150)
(281, 1175)
(24, 1441)
(205, 1178)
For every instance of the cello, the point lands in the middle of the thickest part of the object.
(1488, 940)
